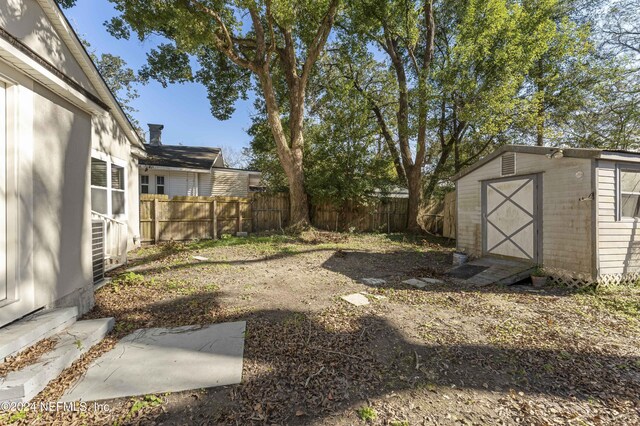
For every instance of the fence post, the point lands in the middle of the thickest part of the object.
(214, 219)
(239, 216)
(156, 221)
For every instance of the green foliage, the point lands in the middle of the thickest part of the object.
(144, 402)
(120, 79)
(538, 271)
(368, 414)
(129, 278)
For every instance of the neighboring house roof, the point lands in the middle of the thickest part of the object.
(106, 99)
(605, 154)
(178, 156)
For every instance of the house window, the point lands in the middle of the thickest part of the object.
(159, 184)
(117, 189)
(107, 187)
(144, 184)
(629, 193)
(99, 188)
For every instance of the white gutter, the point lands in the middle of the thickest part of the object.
(176, 169)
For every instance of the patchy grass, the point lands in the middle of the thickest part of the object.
(367, 414)
(447, 354)
(620, 300)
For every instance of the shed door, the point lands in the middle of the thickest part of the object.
(510, 217)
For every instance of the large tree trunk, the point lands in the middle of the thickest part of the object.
(290, 156)
(540, 129)
(298, 200)
(414, 184)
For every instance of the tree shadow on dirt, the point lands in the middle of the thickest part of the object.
(396, 267)
(300, 366)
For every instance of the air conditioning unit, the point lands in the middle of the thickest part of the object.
(97, 250)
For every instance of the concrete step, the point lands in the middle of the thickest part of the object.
(23, 385)
(26, 332)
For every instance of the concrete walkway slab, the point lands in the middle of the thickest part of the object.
(431, 280)
(374, 281)
(356, 299)
(415, 283)
(165, 360)
(373, 296)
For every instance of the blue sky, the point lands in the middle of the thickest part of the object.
(182, 108)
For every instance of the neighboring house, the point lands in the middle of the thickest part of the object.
(574, 211)
(67, 165)
(191, 171)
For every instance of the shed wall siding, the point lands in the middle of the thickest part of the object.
(618, 241)
(566, 221)
(230, 183)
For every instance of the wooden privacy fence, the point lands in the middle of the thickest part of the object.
(382, 215)
(187, 218)
(439, 216)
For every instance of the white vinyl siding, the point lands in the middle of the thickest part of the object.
(230, 183)
(618, 239)
(566, 221)
(255, 179)
(205, 184)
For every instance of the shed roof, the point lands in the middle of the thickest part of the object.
(186, 157)
(606, 154)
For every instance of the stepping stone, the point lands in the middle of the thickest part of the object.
(356, 299)
(159, 360)
(374, 281)
(201, 258)
(375, 296)
(432, 280)
(415, 283)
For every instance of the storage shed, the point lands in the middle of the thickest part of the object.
(574, 211)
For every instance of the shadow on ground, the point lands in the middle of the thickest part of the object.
(300, 366)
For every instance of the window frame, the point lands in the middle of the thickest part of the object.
(112, 161)
(163, 184)
(633, 168)
(143, 184)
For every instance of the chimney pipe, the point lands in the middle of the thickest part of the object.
(155, 134)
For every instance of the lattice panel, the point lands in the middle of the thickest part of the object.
(628, 279)
(568, 279)
(571, 280)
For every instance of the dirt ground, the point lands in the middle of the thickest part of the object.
(447, 354)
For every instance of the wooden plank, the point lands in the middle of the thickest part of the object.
(156, 221)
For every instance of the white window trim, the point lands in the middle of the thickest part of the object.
(148, 184)
(164, 184)
(99, 155)
(623, 167)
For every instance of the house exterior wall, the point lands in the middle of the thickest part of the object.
(618, 238)
(218, 182)
(62, 207)
(255, 179)
(107, 137)
(205, 185)
(177, 183)
(566, 222)
(52, 129)
(230, 183)
(26, 20)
